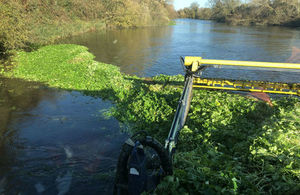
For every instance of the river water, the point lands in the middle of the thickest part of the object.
(54, 141)
(153, 51)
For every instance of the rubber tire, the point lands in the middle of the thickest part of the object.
(121, 179)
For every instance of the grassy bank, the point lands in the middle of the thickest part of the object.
(27, 24)
(230, 144)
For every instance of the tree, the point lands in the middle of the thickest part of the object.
(223, 8)
(194, 8)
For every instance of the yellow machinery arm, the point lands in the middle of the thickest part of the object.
(249, 86)
(190, 60)
(195, 63)
(133, 160)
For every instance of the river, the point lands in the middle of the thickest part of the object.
(62, 141)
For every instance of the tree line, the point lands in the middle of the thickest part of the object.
(251, 12)
(25, 23)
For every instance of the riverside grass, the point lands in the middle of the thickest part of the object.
(230, 144)
(27, 24)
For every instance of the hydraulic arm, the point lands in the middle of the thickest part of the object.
(137, 171)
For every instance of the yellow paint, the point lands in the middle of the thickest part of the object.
(189, 61)
(249, 86)
(195, 66)
(235, 85)
(247, 90)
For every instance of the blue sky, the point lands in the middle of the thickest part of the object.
(178, 4)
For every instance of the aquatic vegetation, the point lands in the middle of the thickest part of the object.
(233, 145)
(230, 144)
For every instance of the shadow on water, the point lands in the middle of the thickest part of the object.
(18, 96)
(246, 123)
(63, 144)
(54, 140)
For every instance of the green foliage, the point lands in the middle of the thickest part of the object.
(278, 12)
(31, 23)
(255, 12)
(49, 33)
(172, 23)
(230, 144)
(262, 12)
(233, 145)
(195, 12)
(129, 13)
(13, 31)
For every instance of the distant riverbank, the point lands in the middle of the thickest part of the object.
(273, 13)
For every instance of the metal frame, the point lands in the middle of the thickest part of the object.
(195, 65)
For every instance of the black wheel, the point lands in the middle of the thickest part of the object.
(157, 164)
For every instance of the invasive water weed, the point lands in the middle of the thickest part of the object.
(230, 144)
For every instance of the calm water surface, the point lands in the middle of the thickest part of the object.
(54, 141)
(153, 51)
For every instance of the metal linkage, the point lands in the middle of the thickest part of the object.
(249, 86)
(193, 68)
(180, 115)
(243, 85)
(135, 172)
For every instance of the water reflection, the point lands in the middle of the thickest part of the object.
(17, 96)
(55, 141)
(153, 51)
(134, 50)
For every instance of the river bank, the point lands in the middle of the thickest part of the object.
(231, 144)
(29, 24)
(248, 13)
